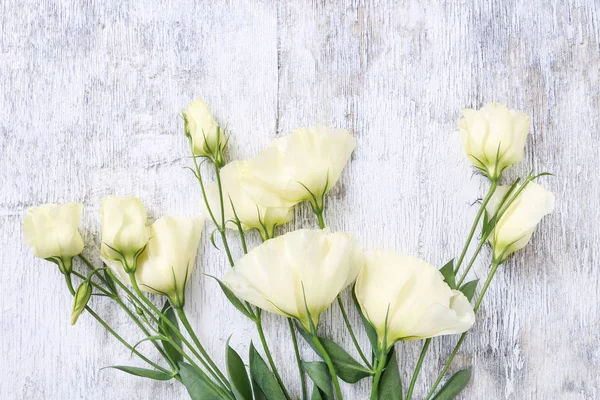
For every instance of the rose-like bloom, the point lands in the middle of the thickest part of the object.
(250, 214)
(207, 137)
(412, 295)
(51, 232)
(124, 230)
(516, 225)
(303, 165)
(281, 273)
(494, 137)
(169, 258)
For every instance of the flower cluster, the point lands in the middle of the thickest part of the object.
(260, 193)
(298, 274)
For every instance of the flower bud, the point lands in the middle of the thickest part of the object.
(494, 137)
(515, 227)
(82, 296)
(303, 165)
(406, 298)
(297, 274)
(250, 214)
(124, 231)
(170, 257)
(206, 134)
(51, 232)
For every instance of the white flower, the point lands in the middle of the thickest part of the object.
(170, 256)
(250, 214)
(124, 230)
(494, 137)
(515, 228)
(51, 232)
(412, 295)
(306, 163)
(207, 137)
(281, 273)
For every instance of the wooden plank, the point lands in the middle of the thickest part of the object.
(91, 93)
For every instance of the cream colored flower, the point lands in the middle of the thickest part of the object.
(281, 273)
(124, 230)
(494, 137)
(170, 257)
(303, 165)
(412, 296)
(515, 228)
(207, 137)
(51, 232)
(250, 214)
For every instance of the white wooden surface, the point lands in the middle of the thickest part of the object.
(90, 92)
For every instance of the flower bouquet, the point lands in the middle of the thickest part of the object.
(297, 274)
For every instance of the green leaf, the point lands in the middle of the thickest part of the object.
(165, 330)
(468, 289)
(143, 372)
(390, 386)
(196, 384)
(371, 332)
(258, 393)
(317, 394)
(262, 378)
(240, 383)
(346, 367)
(454, 385)
(319, 374)
(449, 275)
(212, 239)
(233, 299)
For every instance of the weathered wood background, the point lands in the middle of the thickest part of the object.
(90, 96)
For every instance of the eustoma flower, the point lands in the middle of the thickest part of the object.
(406, 298)
(250, 214)
(494, 137)
(124, 231)
(297, 274)
(170, 256)
(51, 232)
(303, 165)
(515, 227)
(206, 134)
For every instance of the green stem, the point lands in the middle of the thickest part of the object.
(484, 203)
(94, 285)
(472, 261)
(166, 320)
(186, 323)
(319, 214)
(216, 387)
(87, 262)
(222, 226)
(139, 303)
(226, 246)
(329, 363)
(352, 335)
(140, 325)
(263, 340)
(413, 381)
(112, 332)
(377, 376)
(486, 285)
(298, 359)
(243, 238)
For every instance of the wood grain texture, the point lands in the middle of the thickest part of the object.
(90, 96)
